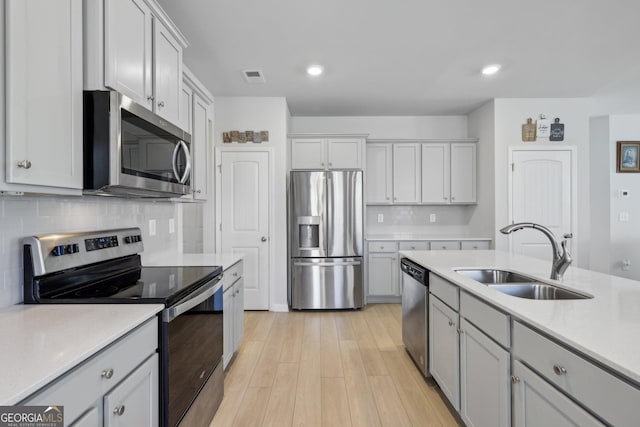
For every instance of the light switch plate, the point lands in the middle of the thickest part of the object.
(152, 227)
(380, 218)
(432, 218)
(623, 217)
(172, 225)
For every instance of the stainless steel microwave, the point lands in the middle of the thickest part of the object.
(130, 151)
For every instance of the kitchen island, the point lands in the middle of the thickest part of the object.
(596, 334)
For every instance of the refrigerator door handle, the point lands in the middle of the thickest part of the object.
(325, 264)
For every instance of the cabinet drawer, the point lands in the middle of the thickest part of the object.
(474, 244)
(491, 321)
(444, 245)
(447, 292)
(414, 246)
(383, 246)
(606, 395)
(83, 385)
(231, 274)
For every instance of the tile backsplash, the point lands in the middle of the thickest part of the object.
(26, 216)
(450, 220)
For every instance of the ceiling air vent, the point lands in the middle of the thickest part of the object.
(253, 76)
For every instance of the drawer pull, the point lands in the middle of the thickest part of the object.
(107, 373)
(515, 379)
(559, 370)
(119, 410)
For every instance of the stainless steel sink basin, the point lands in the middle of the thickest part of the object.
(519, 285)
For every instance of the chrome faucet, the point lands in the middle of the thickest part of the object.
(561, 257)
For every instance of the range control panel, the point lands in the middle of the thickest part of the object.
(100, 243)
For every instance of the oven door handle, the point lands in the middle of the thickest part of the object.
(198, 297)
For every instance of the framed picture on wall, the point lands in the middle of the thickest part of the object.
(628, 158)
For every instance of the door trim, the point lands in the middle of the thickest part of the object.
(218, 207)
(573, 150)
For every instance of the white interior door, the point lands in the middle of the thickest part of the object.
(245, 199)
(541, 192)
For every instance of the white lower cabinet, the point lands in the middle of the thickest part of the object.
(537, 403)
(444, 349)
(233, 311)
(484, 379)
(383, 271)
(119, 385)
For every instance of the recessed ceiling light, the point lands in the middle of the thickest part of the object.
(315, 70)
(491, 69)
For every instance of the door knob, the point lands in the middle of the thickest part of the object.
(264, 238)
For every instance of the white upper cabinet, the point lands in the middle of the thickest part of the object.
(326, 152)
(132, 46)
(43, 99)
(463, 172)
(406, 173)
(128, 49)
(435, 173)
(379, 173)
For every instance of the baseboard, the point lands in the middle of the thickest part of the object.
(283, 308)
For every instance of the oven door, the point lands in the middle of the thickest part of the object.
(193, 337)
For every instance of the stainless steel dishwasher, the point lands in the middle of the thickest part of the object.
(415, 313)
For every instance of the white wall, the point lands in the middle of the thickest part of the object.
(613, 240)
(27, 216)
(268, 113)
(400, 127)
(510, 114)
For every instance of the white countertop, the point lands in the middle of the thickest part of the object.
(226, 260)
(605, 328)
(417, 237)
(42, 342)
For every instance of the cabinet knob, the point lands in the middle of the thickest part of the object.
(238, 292)
(107, 373)
(26, 164)
(413, 247)
(235, 274)
(263, 238)
(322, 164)
(395, 198)
(453, 198)
(150, 98)
(460, 331)
(381, 247)
(444, 198)
(388, 198)
(450, 323)
(330, 164)
(119, 410)
(559, 370)
(161, 104)
(515, 379)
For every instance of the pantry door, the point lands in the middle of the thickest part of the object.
(244, 214)
(542, 190)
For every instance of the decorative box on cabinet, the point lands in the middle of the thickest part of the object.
(39, 36)
(133, 47)
(326, 152)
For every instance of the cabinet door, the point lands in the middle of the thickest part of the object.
(128, 49)
(444, 349)
(238, 321)
(379, 173)
(167, 71)
(186, 109)
(90, 418)
(484, 379)
(463, 172)
(538, 404)
(134, 402)
(228, 319)
(44, 92)
(383, 274)
(200, 148)
(308, 153)
(406, 173)
(344, 153)
(435, 173)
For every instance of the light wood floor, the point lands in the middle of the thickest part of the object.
(345, 368)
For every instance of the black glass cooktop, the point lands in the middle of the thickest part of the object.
(164, 285)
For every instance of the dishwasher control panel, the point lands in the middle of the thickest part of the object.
(414, 270)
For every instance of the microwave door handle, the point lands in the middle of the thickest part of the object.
(187, 169)
(174, 161)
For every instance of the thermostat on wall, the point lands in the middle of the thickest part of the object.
(623, 193)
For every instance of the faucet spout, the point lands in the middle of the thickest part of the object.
(561, 257)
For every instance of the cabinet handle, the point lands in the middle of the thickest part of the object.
(322, 164)
(445, 198)
(395, 198)
(119, 410)
(161, 104)
(107, 373)
(150, 98)
(515, 379)
(26, 164)
(235, 274)
(559, 370)
(450, 323)
(330, 164)
(238, 292)
(460, 331)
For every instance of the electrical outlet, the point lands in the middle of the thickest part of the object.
(172, 225)
(626, 264)
(380, 218)
(152, 227)
(432, 218)
(623, 217)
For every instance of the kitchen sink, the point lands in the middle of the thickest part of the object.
(519, 285)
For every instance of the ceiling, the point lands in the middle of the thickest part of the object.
(408, 57)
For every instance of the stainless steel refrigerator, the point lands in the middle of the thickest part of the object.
(325, 239)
